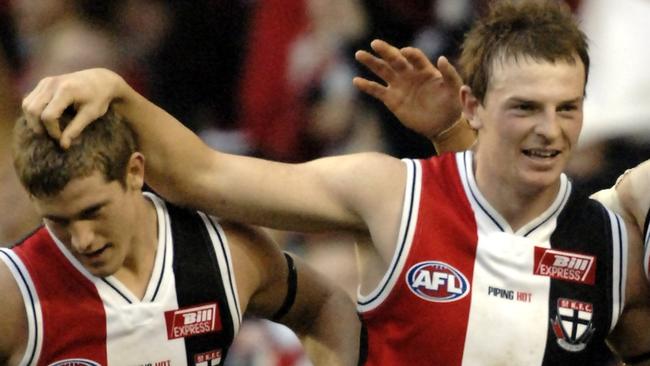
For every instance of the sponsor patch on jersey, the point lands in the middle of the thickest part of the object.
(192, 321)
(208, 358)
(437, 282)
(566, 266)
(75, 362)
(572, 324)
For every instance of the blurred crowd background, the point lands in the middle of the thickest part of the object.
(272, 78)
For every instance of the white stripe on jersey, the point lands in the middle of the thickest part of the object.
(410, 209)
(32, 307)
(505, 261)
(619, 265)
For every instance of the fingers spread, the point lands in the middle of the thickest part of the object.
(378, 66)
(84, 116)
(371, 88)
(34, 104)
(51, 115)
(391, 55)
(449, 72)
(417, 58)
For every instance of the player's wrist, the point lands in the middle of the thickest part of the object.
(459, 136)
(461, 124)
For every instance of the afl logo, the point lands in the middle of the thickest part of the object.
(437, 282)
(75, 362)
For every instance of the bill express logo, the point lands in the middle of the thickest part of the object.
(565, 265)
(192, 321)
(437, 282)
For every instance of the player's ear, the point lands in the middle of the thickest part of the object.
(135, 171)
(470, 105)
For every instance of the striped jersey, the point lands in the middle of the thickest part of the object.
(464, 289)
(188, 315)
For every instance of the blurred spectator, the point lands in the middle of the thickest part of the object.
(18, 218)
(193, 72)
(296, 95)
(54, 37)
(264, 343)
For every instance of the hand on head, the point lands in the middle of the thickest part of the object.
(87, 91)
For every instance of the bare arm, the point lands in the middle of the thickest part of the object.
(631, 338)
(13, 322)
(323, 316)
(424, 97)
(358, 192)
(633, 193)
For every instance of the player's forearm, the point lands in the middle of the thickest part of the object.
(333, 337)
(175, 156)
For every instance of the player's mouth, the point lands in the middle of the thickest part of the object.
(541, 153)
(97, 253)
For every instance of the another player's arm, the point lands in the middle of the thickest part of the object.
(333, 193)
(633, 193)
(13, 322)
(631, 339)
(424, 97)
(321, 314)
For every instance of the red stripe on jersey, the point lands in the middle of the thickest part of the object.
(407, 329)
(74, 321)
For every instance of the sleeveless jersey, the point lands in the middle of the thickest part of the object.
(188, 315)
(464, 289)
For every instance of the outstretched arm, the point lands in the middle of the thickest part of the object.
(424, 97)
(321, 313)
(332, 193)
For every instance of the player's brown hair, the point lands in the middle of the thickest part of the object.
(44, 168)
(544, 30)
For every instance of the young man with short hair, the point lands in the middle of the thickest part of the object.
(118, 277)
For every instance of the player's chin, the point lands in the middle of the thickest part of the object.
(538, 180)
(103, 269)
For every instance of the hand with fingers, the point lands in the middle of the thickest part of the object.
(89, 92)
(424, 97)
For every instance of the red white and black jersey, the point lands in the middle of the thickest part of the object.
(188, 315)
(464, 289)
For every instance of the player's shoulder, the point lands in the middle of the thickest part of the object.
(13, 323)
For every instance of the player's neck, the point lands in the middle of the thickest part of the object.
(518, 204)
(136, 272)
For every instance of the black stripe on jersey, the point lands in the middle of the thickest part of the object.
(31, 303)
(363, 343)
(231, 282)
(198, 280)
(471, 191)
(584, 227)
(402, 243)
